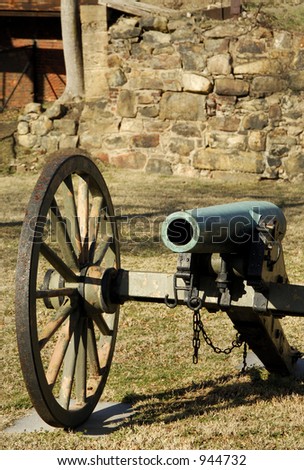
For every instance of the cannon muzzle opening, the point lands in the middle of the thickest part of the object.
(180, 231)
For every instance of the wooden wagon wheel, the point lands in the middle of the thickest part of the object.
(65, 337)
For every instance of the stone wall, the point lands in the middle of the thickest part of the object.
(189, 96)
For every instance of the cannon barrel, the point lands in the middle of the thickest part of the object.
(225, 228)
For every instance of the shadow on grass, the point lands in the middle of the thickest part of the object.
(223, 393)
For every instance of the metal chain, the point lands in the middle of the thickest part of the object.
(198, 328)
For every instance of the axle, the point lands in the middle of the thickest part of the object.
(282, 300)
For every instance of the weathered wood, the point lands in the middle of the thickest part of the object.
(136, 8)
(235, 8)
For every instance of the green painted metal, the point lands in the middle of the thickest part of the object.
(224, 228)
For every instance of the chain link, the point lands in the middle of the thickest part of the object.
(198, 328)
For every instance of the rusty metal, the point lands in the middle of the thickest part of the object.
(70, 285)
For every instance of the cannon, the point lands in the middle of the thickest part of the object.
(70, 285)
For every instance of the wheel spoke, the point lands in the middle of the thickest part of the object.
(69, 365)
(50, 329)
(61, 231)
(60, 348)
(60, 292)
(92, 350)
(94, 224)
(69, 203)
(57, 263)
(102, 325)
(101, 250)
(81, 363)
(83, 214)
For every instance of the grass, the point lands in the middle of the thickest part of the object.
(177, 405)
(278, 15)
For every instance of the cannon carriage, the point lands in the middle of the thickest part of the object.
(70, 284)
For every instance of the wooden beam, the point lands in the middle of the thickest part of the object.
(136, 8)
(235, 8)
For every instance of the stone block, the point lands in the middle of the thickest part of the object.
(94, 14)
(183, 106)
(35, 108)
(127, 104)
(225, 103)
(156, 37)
(163, 49)
(117, 141)
(187, 171)
(93, 58)
(145, 80)
(255, 121)
(275, 114)
(193, 57)
(133, 160)
(27, 140)
(50, 143)
(155, 125)
(7, 153)
(89, 140)
(158, 165)
(227, 140)
(23, 127)
(65, 126)
(172, 80)
(186, 129)
(132, 125)
(68, 141)
(196, 83)
(55, 111)
(115, 60)
(259, 67)
(247, 47)
(148, 97)
(146, 140)
(181, 146)
(296, 80)
(280, 136)
(92, 134)
(294, 164)
(219, 64)
(185, 34)
(217, 46)
(212, 159)
(178, 23)
(149, 111)
(165, 61)
(231, 87)
(299, 60)
(263, 86)
(95, 110)
(42, 125)
(124, 31)
(116, 78)
(225, 30)
(224, 123)
(96, 84)
(282, 40)
(154, 23)
(257, 141)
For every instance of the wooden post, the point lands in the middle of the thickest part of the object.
(235, 7)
